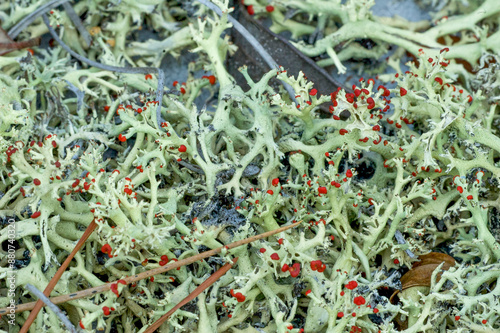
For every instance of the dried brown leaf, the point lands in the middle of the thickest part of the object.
(281, 50)
(420, 275)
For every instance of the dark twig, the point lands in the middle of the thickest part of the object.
(77, 22)
(52, 306)
(79, 95)
(28, 19)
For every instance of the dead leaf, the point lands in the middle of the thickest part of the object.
(280, 49)
(421, 272)
(419, 277)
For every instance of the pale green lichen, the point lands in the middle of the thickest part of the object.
(249, 162)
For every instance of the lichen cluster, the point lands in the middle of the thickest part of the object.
(413, 168)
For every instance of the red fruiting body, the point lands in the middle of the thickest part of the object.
(122, 138)
(348, 173)
(359, 300)
(210, 78)
(371, 103)
(294, 270)
(262, 250)
(285, 268)
(106, 311)
(275, 256)
(318, 265)
(37, 182)
(114, 289)
(351, 285)
(343, 131)
(275, 182)
(270, 192)
(35, 215)
(402, 91)
(460, 189)
(182, 149)
(148, 76)
(334, 183)
(106, 248)
(239, 296)
(322, 190)
(313, 92)
(250, 10)
(340, 315)
(269, 9)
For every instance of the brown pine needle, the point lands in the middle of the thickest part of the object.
(207, 283)
(152, 272)
(52, 283)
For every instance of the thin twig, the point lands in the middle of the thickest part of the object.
(52, 306)
(28, 19)
(79, 96)
(77, 22)
(204, 285)
(11, 46)
(152, 272)
(52, 283)
(128, 70)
